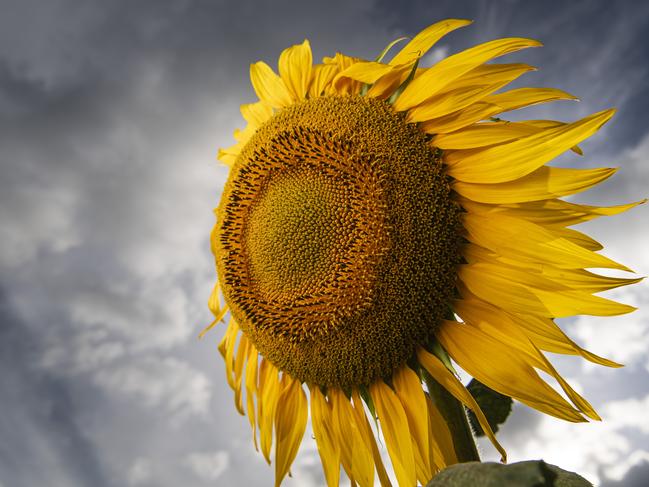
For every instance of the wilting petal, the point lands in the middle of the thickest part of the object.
(448, 381)
(394, 424)
(269, 391)
(323, 429)
(290, 424)
(409, 391)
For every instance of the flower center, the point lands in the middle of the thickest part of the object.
(336, 241)
(296, 233)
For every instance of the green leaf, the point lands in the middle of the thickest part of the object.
(567, 479)
(403, 85)
(494, 405)
(380, 57)
(535, 473)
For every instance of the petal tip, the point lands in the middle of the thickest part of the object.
(464, 21)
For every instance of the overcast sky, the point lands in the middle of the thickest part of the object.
(111, 114)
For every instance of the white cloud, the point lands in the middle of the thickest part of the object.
(140, 472)
(208, 466)
(619, 471)
(625, 338)
(593, 449)
(434, 56)
(148, 314)
(628, 413)
(85, 351)
(33, 219)
(165, 384)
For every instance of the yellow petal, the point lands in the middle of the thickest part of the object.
(341, 430)
(226, 347)
(242, 353)
(387, 84)
(464, 95)
(553, 278)
(524, 240)
(577, 238)
(489, 74)
(214, 303)
(295, 69)
(269, 87)
(229, 155)
(498, 325)
(520, 291)
(251, 389)
(448, 70)
(321, 77)
(516, 159)
(267, 405)
(490, 133)
(394, 424)
(542, 184)
(502, 368)
(525, 97)
(493, 105)
(459, 119)
(448, 381)
(215, 307)
(358, 450)
(543, 124)
(547, 335)
(342, 62)
(563, 213)
(554, 213)
(290, 424)
(323, 429)
(366, 72)
(450, 101)
(426, 39)
(368, 437)
(409, 391)
(442, 451)
(256, 114)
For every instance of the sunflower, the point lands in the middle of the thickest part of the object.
(378, 221)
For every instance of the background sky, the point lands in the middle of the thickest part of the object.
(111, 114)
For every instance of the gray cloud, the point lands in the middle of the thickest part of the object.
(111, 114)
(637, 476)
(42, 440)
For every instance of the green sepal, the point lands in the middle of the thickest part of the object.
(380, 57)
(533, 473)
(403, 85)
(495, 406)
(367, 399)
(440, 353)
(365, 396)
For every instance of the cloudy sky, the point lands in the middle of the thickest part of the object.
(111, 114)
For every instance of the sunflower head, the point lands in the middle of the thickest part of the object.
(379, 220)
(337, 240)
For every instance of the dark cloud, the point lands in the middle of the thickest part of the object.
(42, 442)
(637, 476)
(111, 114)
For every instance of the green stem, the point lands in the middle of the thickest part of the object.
(455, 415)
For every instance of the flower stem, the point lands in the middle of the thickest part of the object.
(455, 415)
